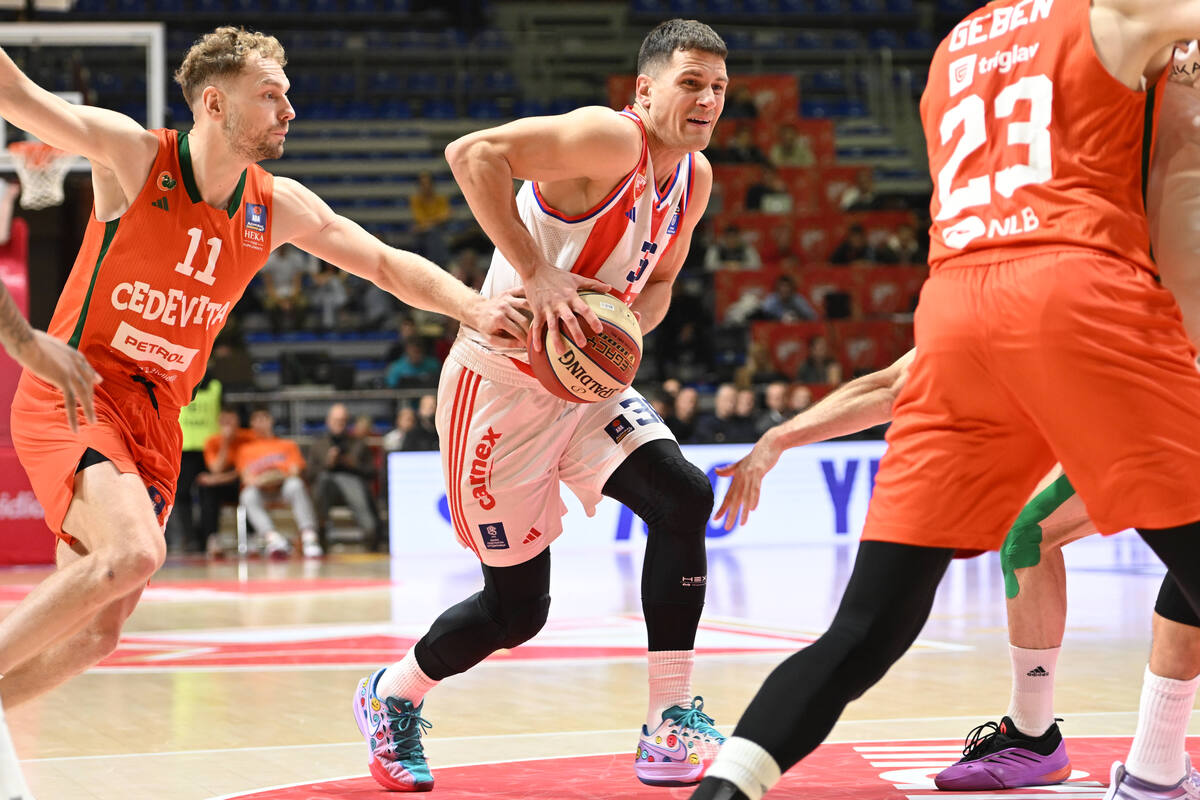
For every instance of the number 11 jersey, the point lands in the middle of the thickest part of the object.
(150, 290)
(1031, 140)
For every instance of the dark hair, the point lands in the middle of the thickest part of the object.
(677, 34)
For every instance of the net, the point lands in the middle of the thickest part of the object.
(41, 170)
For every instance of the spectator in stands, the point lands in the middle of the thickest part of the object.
(469, 268)
(732, 251)
(219, 484)
(416, 368)
(341, 464)
(903, 247)
(799, 399)
(758, 368)
(328, 295)
(745, 407)
(198, 421)
(270, 469)
(741, 148)
(682, 421)
(364, 427)
(670, 390)
(815, 368)
(791, 149)
(740, 103)
(283, 286)
(722, 426)
(778, 246)
(769, 194)
(861, 196)
(406, 421)
(427, 435)
(834, 373)
(430, 212)
(854, 248)
(786, 304)
(775, 411)
(661, 403)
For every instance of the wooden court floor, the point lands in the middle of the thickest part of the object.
(234, 677)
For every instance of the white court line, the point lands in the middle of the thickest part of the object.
(507, 737)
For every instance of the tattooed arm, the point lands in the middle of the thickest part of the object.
(48, 358)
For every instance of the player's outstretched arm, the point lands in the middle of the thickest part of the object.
(852, 407)
(49, 359)
(308, 222)
(655, 299)
(587, 147)
(106, 138)
(1131, 36)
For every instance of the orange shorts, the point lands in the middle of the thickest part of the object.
(128, 432)
(1072, 356)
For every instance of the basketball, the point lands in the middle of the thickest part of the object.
(605, 364)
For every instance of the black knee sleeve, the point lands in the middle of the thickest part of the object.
(675, 499)
(510, 611)
(1172, 605)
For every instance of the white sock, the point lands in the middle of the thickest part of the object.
(746, 765)
(1031, 706)
(1157, 752)
(405, 680)
(12, 783)
(670, 683)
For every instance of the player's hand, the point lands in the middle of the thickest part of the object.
(503, 319)
(65, 367)
(554, 299)
(742, 495)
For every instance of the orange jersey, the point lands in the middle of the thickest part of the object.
(1031, 140)
(150, 290)
(257, 456)
(212, 448)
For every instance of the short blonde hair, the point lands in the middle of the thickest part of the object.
(223, 53)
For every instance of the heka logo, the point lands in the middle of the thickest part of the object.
(962, 73)
(481, 473)
(256, 217)
(143, 346)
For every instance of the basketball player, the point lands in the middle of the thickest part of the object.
(181, 223)
(67, 369)
(1042, 335)
(608, 197)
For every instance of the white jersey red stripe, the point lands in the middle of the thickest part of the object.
(460, 424)
(619, 241)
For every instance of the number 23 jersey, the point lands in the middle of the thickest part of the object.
(1031, 140)
(150, 290)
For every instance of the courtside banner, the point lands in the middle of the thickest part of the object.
(817, 493)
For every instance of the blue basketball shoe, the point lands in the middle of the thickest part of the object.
(680, 749)
(392, 728)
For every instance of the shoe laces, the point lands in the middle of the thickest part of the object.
(406, 726)
(697, 720)
(980, 737)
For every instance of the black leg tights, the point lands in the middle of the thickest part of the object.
(675, 499)
(885, 605)
(510, 610)
(1179, 549)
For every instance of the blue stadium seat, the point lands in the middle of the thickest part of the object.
(424, 82)
(454, 38)
(919, 40)
(866, 7)
(394, 6)
(383, 80)
(901, 7)
(816, 109)
(828, 7)
(359, 110)
(491, 40)
(501, 81)
(723, 7)
(563, 105)
(529, 108)
(758, 7)
(739, 41)
(108, 83)
(306, 83)
(323, 6)
(132, 7)
(439, 109)
(795, 7)
(361, 7)
(772, 40)
(807, 40)
(484, 109)
(168, 6)
(246, 6)
(289, 7)
(853, 108)
(395, 109)
(342, 84)
(881, 38)
(96, 7)
(645, 7)
(847, 40)
(689, 7)
(827, 80)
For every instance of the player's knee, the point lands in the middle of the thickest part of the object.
(685, 497)
(123, 568)
(522, 623)
(103, 637)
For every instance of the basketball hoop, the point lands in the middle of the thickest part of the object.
(42, 170)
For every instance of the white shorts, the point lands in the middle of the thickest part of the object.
(507, 442)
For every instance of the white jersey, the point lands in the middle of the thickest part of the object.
(1173, 190)
(618, 242)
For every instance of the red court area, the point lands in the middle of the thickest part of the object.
(847, 771)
